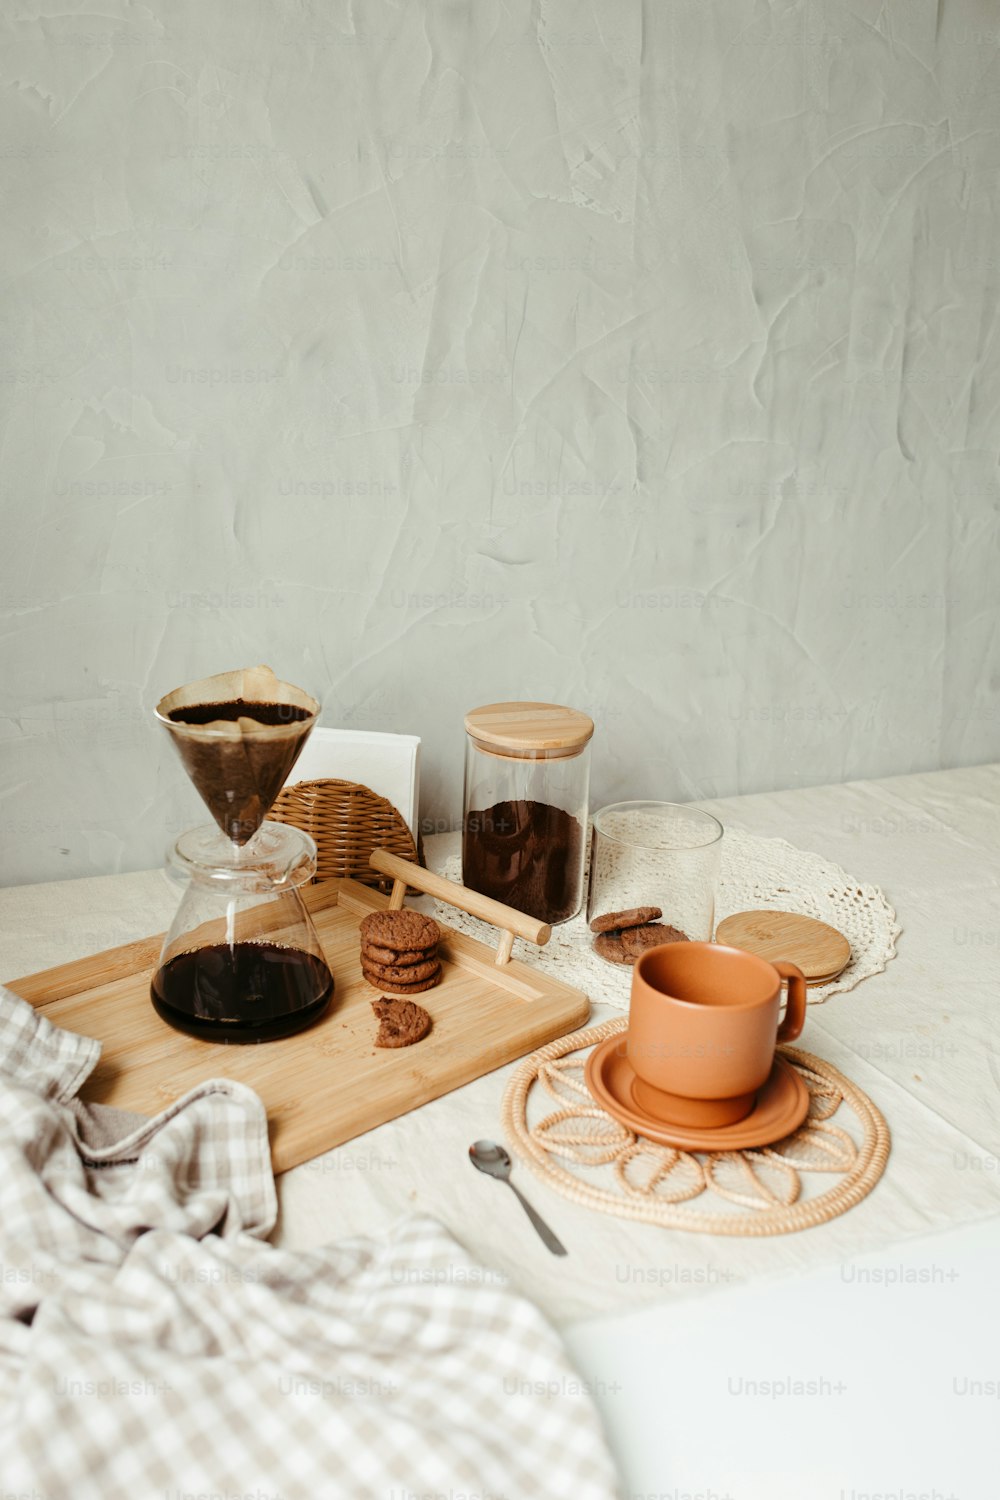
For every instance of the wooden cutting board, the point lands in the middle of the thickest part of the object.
(330, 1083)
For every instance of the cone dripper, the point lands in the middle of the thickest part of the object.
(239, 735)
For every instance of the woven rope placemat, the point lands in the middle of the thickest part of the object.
(768, 1190)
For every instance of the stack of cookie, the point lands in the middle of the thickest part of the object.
(622, 936)
(399, 951)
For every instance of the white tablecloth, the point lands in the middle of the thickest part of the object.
(918, 1038)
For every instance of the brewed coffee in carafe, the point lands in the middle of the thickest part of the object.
(242, 961)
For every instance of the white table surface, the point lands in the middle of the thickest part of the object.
(888, 1316)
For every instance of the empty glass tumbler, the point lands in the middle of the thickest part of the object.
(656, 854)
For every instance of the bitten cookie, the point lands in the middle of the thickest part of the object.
(401, 1022)
(635, 917)
(401, 931)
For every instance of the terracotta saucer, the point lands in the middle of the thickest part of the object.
(782, 1105)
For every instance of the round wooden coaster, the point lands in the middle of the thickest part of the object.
(815, 981)
(820, 951)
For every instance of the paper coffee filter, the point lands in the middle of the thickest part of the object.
(252, 685)
(238, 766)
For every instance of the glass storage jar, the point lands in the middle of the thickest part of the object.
(527, 774)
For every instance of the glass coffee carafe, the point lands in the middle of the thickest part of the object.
(242, 961)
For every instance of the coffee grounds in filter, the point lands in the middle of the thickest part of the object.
(239, 776)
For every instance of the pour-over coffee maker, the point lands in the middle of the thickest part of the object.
(242, 961)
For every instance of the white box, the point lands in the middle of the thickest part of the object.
(388, 763)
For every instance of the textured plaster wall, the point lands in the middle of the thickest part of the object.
(643, 358)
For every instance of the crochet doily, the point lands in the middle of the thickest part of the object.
(755, 873)
(583, 1153)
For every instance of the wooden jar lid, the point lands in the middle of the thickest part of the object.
(546, 731)
(820, 951)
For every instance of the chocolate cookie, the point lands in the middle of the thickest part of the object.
(400, 989)
(399, 960)
(403, 931)
(627, 946)
(609, 946)
(401, 1022)
(635, 917)
(402, 973)
(636, 940)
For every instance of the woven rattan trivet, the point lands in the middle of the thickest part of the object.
(348, 821)
(769, 1190)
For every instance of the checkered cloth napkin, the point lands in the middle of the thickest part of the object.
(153, 1347)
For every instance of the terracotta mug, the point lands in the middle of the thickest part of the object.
(703, 1026)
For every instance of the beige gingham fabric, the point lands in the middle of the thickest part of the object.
(152, 1347)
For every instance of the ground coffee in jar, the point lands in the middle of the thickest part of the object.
(528, 855)
(526, 784)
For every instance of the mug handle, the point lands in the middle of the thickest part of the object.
(795, 1010)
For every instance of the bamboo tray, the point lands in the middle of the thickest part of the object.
(327, 1084)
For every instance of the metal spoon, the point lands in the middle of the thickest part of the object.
(495, 1162)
